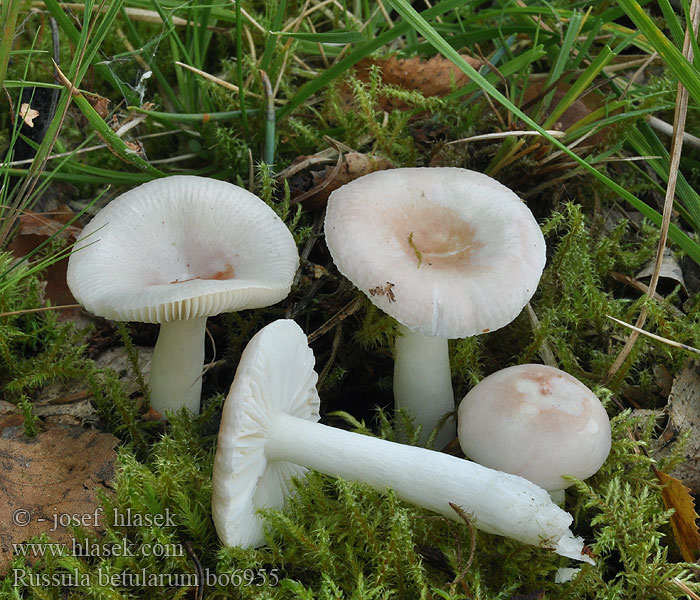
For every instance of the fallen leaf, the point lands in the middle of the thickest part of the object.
(100, 104)
(683, 410)
(311, 188)
(434, 77)
(28, 114)
(34, 229)
(56, 473)
(670, 269)
(151, 415)
(683, 521)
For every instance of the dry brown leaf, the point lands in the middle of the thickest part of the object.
(684, 520)
(670, 269)
(434, 77)
(312, 188)
(35, 229)
(684, 416)
(100, 104)
(28, 114)
(56, 473)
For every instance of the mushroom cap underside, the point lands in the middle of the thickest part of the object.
(275, 375)
(182, 247)
(447, 252)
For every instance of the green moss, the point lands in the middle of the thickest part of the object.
(338, 539)
(35, 348)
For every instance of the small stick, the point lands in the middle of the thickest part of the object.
(472, 549)
(350, 308)
(33, 310)
(691, 594)
(198, 567)
(503, 134)
(653, 336)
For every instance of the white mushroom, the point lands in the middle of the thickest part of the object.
(537, 422)
(449, 253)
(175, 251)
(269, 434)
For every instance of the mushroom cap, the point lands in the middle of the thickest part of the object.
(537, 422)
(182, 247)
(447, 252)
(276, 374)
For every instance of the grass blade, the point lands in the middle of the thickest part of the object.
(673, 57)
(8, 14)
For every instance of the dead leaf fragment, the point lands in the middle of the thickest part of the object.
(384, 290)
(670, 269)
(100, 104)
(683, 521)
(312, 188)
(684, 416)
(28, 114)
(34, 229)
(56, 473)
(434, 77)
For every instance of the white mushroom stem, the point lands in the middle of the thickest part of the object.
(423, 383)
(176, 370)
(498, 503)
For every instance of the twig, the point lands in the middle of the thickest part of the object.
(33, 310)
(544, 350)
(682, 585)
(642, 287)
(174, 159)
(309, 244)
(350, 308)
(324, 184)
(472, 548)
(504, 134)
(198, 567)
(663, 127)
(335, 346)
(136, 14)
(216, 80)
(653, 336)
(638, 73)
(17, 163)
(296, 21)
(253, 22)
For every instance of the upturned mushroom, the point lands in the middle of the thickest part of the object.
(269, 434)
(537, 422)
(175, 251)
(449, 253)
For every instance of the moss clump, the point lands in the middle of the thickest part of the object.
(35, 348)
(338, 539)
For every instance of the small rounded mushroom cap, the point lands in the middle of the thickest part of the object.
(447, 252)
(182, 247)
(275, 375)
(537, 422)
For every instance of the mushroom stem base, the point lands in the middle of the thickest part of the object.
(176, 370)
(498, 502)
